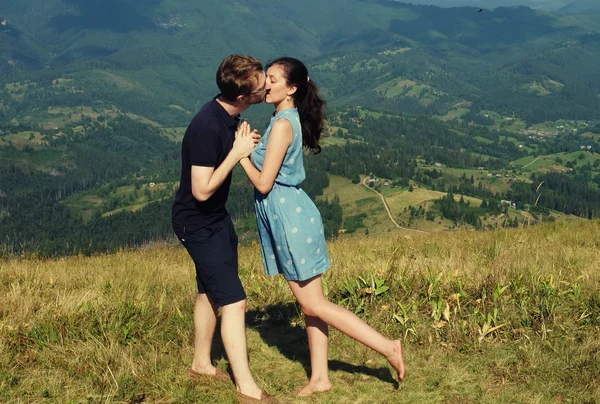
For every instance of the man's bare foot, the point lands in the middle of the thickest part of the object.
(207, 370)
(264, 398)
(318, 386)
(209, 373)
(396, 359)
(250, 392)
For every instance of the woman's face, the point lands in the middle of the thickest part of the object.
(276, 86)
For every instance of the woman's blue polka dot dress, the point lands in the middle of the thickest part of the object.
(290, 227)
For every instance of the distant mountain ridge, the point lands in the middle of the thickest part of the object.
(548, 5)
(145, 56)
(581, 7)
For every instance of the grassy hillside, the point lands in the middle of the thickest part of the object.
(507, 316)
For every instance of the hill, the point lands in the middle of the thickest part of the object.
(484, 316)
(106, 179)
(549, 5)
(581, 7)
(469, 109)
(160, 54)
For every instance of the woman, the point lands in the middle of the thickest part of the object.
(290, 226)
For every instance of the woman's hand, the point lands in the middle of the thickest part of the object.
(245, 140)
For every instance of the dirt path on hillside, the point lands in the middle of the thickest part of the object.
(389, 212)
(527, 165)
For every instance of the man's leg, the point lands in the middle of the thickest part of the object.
(205, 320)
(215, 253)
(205, 309)
(233, 332)
(219, 270)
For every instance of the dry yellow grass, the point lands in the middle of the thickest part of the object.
(117, 328)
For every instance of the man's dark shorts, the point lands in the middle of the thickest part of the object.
(214, 251)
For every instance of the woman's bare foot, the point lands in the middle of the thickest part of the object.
(396, 359)
(317, 386)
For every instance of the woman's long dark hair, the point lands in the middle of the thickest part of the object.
(311, 107)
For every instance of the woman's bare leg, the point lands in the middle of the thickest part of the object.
(310, 296)
(318, 340)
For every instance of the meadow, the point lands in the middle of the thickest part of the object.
(497, 316)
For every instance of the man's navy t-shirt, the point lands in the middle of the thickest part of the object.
(207, 141)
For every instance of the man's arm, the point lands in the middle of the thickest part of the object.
(206, 180)
(279, 141)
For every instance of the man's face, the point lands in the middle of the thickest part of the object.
(257, 95)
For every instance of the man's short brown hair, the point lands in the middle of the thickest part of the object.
(236, 76)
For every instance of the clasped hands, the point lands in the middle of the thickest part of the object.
(246, 139)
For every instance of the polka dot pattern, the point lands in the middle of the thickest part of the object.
(289, 224)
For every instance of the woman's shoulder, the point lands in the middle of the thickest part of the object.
(282, 124)
(290, 115)
(282, 129)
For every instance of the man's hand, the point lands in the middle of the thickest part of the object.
(254, 133)
(243, 137)
(244, 141)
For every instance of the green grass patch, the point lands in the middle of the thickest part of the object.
(364, 112)
(555, 162)
(455, 114)
(129, 208)
(394, 51)
(84, 205)
(483, 140)
(395, 88)
(367, 201)
(336, 141)
(489, 316)
(356, 199)
(174, 134)
(595, 136)
(22, 139)
(511, 124)
(353, 223)
(372, 64)
(588, 157)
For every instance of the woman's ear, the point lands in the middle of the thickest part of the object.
(292, 90)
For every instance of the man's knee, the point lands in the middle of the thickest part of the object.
(236, 306)
(204, 300)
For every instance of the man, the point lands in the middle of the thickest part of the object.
(209, 152)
